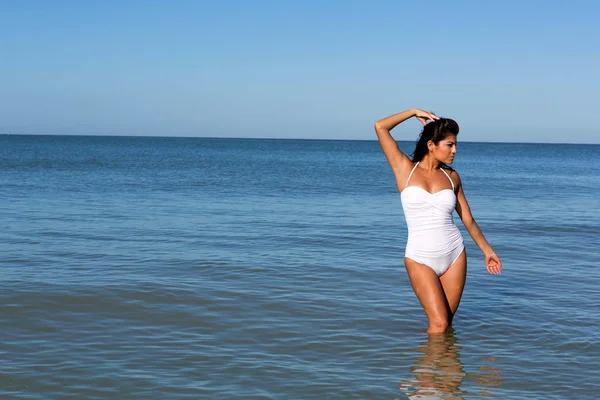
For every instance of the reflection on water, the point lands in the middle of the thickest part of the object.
(488, 378)
(438, 373)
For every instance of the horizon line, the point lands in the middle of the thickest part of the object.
(271, 138)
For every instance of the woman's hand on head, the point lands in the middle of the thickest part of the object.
(425, 116)
(492, 263)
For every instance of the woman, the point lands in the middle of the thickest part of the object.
(430, 190)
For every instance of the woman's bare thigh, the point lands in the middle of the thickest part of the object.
(429, 290)
(453, 282)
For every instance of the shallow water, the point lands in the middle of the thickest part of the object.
(273, 269)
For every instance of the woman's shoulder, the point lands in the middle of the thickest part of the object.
(452, 173)
(449, 169)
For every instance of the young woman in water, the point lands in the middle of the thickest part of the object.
(430, 191)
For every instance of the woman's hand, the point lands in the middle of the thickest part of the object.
(425, 116)
(492, 263)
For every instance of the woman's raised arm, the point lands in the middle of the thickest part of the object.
(397, 159)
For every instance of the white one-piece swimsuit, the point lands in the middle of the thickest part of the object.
(433, 239)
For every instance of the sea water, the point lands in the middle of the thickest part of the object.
(138, 267)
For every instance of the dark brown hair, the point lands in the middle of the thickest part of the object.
(434, 131)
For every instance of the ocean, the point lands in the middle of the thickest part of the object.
(168, 268)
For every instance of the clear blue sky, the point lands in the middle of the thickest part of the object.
(505, 70)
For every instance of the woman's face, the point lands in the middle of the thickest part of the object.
(445, 150)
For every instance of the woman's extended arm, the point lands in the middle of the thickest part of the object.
(395, 157)
(492, 261)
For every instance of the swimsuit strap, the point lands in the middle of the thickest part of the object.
(448, 178)
(411, 172)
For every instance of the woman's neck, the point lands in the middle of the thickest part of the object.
(429, 163)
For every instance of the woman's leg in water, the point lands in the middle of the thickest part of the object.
(429, 291)
(453, 283)
(439, 296)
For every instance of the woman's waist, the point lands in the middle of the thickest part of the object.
(429, 227)
(446, 233)
(435, 243)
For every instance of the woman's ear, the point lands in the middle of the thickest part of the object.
(430, 145)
